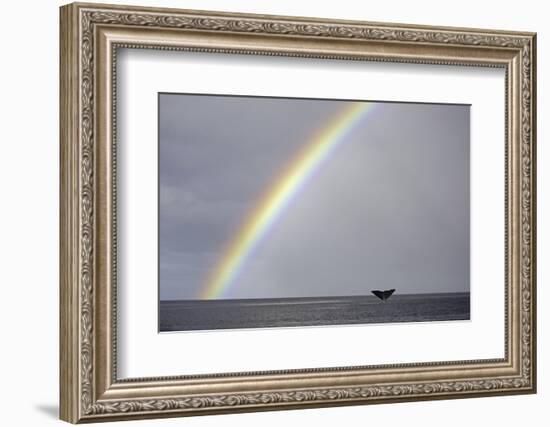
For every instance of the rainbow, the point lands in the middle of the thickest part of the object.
(276, 199)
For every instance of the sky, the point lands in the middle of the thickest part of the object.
(388, 208)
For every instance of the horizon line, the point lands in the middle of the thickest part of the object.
(309, 297)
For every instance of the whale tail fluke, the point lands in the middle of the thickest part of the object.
(384, 295)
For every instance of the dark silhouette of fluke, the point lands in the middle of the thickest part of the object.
(384, 295)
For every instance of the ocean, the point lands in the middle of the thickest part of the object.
(192, 315)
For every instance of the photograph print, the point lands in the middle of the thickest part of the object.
(293, 212)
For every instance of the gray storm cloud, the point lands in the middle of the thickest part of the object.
(389, 208)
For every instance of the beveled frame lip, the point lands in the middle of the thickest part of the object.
(90, 35)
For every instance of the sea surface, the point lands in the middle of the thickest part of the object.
(187, 315)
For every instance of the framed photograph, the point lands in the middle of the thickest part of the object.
(266, 212)
(273, 219)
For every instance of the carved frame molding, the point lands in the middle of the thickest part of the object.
(90, 36)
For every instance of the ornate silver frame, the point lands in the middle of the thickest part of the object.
(90, 36)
